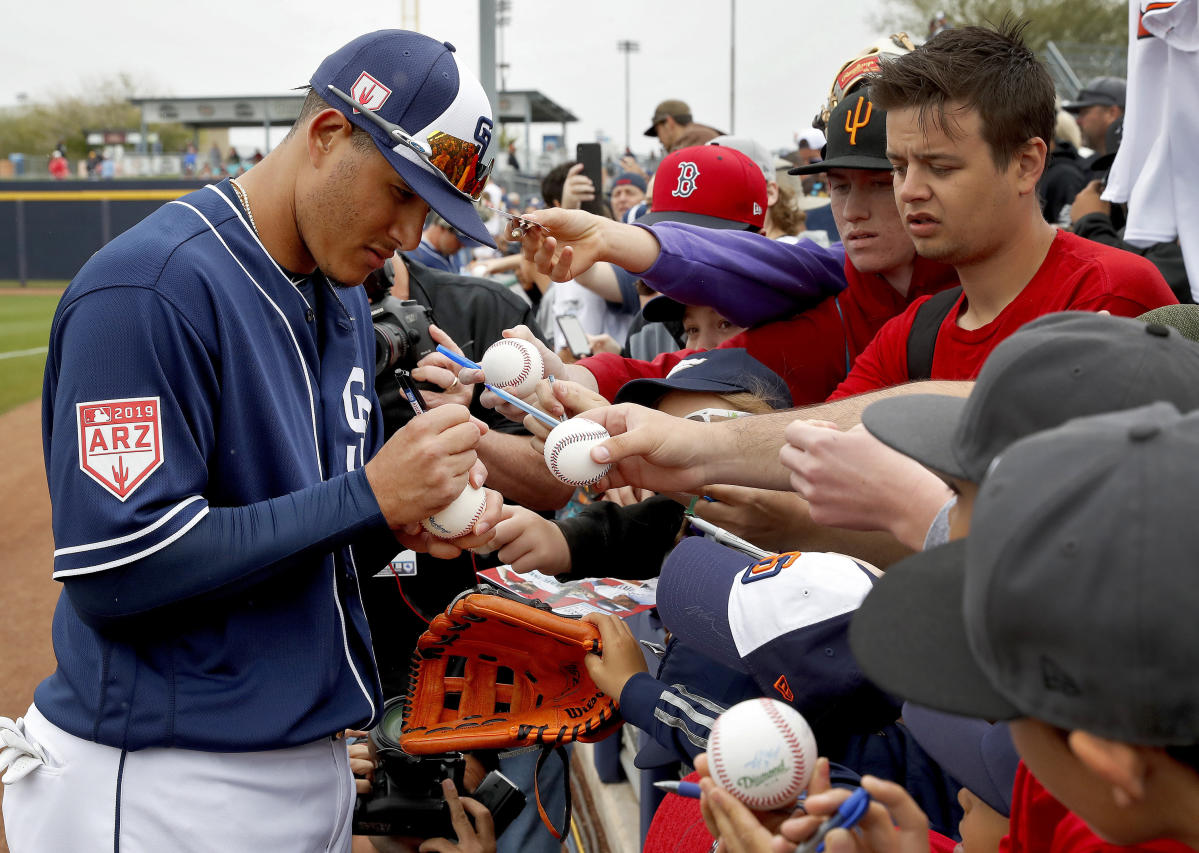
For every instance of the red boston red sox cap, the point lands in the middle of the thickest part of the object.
(709, 185)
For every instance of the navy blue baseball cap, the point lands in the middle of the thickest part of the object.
(979, 754)
(429, 117)
(629, 179)
(721, 371)
(783, 620)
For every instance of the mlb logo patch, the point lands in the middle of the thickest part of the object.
(369, 92)
(120, 442)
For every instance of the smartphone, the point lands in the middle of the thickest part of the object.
(576, 337)
(589, 154)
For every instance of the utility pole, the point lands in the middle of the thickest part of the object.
(732, 65)
(627, 47)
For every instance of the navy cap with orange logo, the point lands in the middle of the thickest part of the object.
(783, 620)
(857, 137)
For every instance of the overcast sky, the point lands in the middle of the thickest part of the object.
(787, 52)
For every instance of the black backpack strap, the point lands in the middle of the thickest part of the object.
(922, 339)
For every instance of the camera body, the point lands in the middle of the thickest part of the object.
(406, 797)
(401, 333)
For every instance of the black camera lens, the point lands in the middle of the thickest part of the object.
(387, 733)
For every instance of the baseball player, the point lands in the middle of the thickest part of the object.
(218, 476)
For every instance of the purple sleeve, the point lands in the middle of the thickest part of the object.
(748, 278)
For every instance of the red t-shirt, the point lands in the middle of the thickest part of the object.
(809, 351)
(1077, 275)
(1040, 824)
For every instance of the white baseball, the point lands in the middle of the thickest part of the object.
(514, 365)
(459, 517)
(762, 752)
(568, 451)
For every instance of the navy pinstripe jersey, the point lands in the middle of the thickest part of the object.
(200, 419)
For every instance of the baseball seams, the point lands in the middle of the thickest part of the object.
(724, 775)
(587, 434)
(526, 363)
(799, 768)
(716, 759)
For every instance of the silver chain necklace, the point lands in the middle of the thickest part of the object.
(245, 202)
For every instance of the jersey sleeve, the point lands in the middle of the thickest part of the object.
(675, 717)
(745, 277)
(130, 399)
(128, 414)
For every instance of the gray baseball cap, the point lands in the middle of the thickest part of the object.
(1073, 598)
(1101, 92)
(1060, 366)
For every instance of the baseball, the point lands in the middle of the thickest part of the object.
(762, 752)
(514, 365)
(459, 517)
(568, 451)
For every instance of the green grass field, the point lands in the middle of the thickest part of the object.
(24, 325)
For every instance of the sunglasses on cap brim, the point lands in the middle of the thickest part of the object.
(455, 160)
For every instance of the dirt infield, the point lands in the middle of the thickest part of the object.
(26, 549)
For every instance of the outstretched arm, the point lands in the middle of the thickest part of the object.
(655, 451)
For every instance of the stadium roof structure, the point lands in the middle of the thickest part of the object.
(528, 106)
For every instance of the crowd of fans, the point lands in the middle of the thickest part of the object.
(991, 382)
(933, 363)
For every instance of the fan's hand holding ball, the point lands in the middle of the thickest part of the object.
(568, 451)
(514, 365)
(762, 752)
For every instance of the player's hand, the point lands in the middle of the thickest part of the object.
(426, 464)
(893, 823)
(415, 536)
(476, 833)
(1088, 201)
(440, 370)
(528, 542)
(852, 480)
(739, 828)
(576, 189)
(652, 450)
(621, 658)
(765, 517)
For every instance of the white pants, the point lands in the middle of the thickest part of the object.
(88, 797)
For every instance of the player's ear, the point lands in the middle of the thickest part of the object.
(1118, 764)
(325, 130)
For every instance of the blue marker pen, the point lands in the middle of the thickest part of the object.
(847, 816)
(683, 789)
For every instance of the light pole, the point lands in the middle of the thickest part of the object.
(732, 66)
(627, 47)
